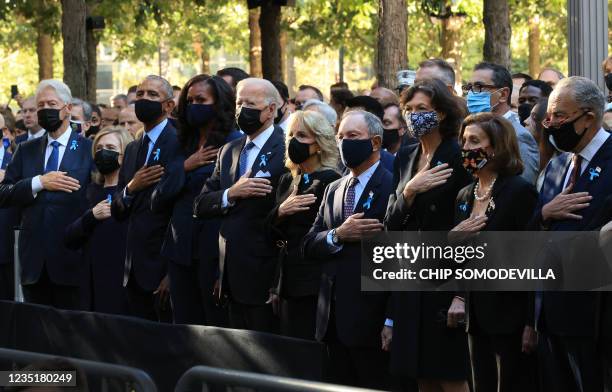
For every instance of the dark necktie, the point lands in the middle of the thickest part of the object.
(577, 161)
(53, 161)
(142, 152)
(244, 155)
(349, 198)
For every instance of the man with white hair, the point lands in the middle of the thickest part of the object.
(47, 179)
(319, 106)
(352, 208)
(242, 191)
(150, 178)
(575, 188)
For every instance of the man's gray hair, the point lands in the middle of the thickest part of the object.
(60, 88)
(167, 87)
(87, 109)
(327, 111)
(375, 126)
(584, 92)
(271, 95)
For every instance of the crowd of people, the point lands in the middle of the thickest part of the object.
(229, 203)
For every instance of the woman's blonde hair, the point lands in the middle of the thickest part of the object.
(124, 139)
(318, 126)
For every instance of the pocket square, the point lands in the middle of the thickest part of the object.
(262, 174)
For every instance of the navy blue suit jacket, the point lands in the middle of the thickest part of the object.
(148, 212)
(44, 217)
(564, 313)
(359, 316)
(8, 221)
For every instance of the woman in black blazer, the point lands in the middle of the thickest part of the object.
(312, 157)
(422, 332)
(500, 324)
(102, 238)
(205, 116)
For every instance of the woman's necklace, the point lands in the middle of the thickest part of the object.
(487, 194)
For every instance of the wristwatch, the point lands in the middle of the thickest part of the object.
(334, 237)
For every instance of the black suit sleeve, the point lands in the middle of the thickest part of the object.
(170, 185)
(16, 190)
(397, 209)
(78, 233)
(120, 209)
(208, 203)
(274, 228)
(314, 243)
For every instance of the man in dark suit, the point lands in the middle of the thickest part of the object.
(149, 180)
(30, 120)
(47, 178)
(352, 207)
(575, 188)
(8, 220)
(242, 191)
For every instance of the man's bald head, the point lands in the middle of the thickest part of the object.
(384, 96)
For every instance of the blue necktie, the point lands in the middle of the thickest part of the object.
(244, 154)
(349, 198)
(53, 161)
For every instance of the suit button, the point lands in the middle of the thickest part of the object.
(432, 207)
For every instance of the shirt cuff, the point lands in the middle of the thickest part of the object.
(389, 323)
(333, 247)
(36, 185)
(225, 201)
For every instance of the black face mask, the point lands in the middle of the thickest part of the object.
(524, 111)
(608, 79)
(280, 114)
(49, 119)
(107, 161)
(148, 111)
(20, 125)
(390, 137)
(298, 152)
(249, 120)
(355, 151)
(92, 130)
(77, 127)
(565, 136)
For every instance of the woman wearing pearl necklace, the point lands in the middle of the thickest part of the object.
(499, 324)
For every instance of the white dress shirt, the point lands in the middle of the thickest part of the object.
(36, 135)
(363, 178)
(258, 142)
(587, 153)
(63, 141)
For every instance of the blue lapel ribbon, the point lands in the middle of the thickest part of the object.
(109, 198)
(368, 203)
(73, 145)
(262, 160)
(463, 207)
(593, 173)
(156, 155)
(306, 179)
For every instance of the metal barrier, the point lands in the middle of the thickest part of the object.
(139, 380)
(17, 269)
(198, 378)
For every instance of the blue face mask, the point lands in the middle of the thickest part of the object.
(479, 102)
(354, 152)
(199, 115)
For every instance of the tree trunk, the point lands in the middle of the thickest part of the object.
(496, 19)
(341, 64)
(451, 42)
(205, 57)
(75, 47)
(392, 41)
(290, 66)
(44, 51)
(254, 43)
(283, 55)
(534, 46)
(269, 24)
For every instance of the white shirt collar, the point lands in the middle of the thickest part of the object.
(37, 134)
(367, 174)
(508, 115)
(63, 140)
(154, 132)
(262, 138)
(589, 151)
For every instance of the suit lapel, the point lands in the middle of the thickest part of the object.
(338, 207)
(370, 193)
(266, 154)
(593, 171)
(411, 160)
(40, 164)
(70, 153)
(236, 158)
(158, 150)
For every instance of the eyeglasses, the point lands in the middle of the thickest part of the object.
(476, 87)
(547, 122)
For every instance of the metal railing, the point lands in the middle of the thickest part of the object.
(199, 378)
(139, 380)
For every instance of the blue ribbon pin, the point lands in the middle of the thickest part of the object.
(109, 198)
(262, 160)
(439, 163)
(594, 173)
(73, 145)
(306, 179)
(368, 202)
(463, 207)
(156, 155)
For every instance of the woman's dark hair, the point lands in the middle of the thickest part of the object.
(442, 101)
(225, 112)
(501, 134)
